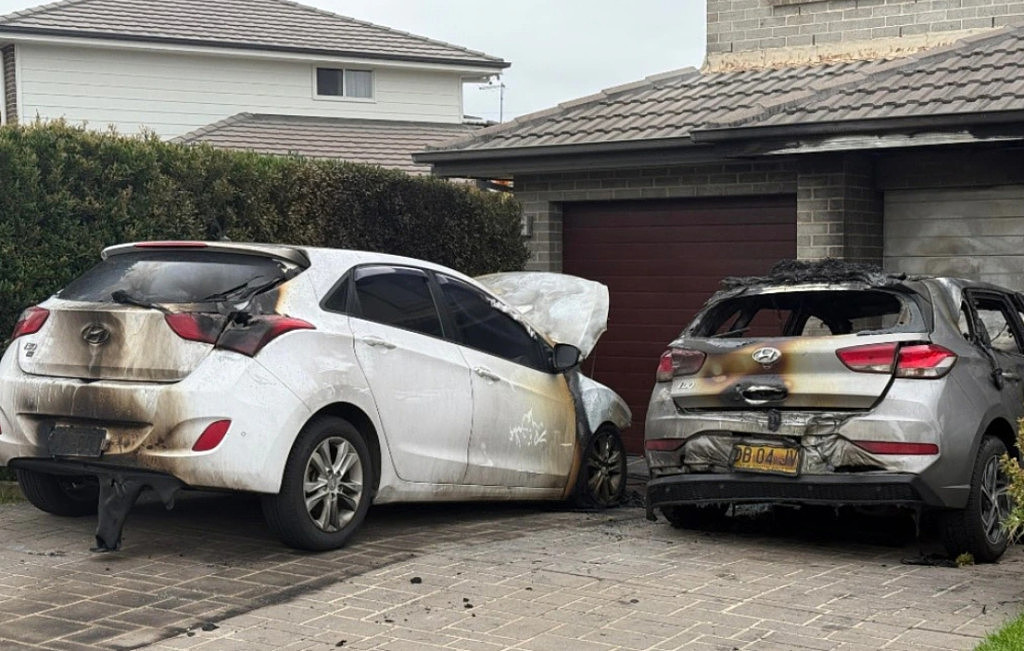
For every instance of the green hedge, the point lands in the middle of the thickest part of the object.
(65, 193)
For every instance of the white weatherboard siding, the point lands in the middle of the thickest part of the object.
(172, 94)
(971, 233)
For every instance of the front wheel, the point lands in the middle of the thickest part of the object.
(978, 528)
(326, 488)
(602, 477)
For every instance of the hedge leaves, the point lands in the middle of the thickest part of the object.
(65, 193)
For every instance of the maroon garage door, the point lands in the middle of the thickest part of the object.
(661, 260)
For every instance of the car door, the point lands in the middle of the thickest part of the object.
(419, 380)
(523, 414)
(998, 327)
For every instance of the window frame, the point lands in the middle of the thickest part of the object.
(344, 96)
(543, 348)
(1011, 310)
(354, 307)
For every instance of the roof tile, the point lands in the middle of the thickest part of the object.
(376, 142)
(249, 24)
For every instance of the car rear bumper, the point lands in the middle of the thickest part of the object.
(153, 427)
(858, 489)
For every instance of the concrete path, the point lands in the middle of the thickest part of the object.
(207, 575)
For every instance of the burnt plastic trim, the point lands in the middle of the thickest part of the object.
(75, 467)
(861, 489)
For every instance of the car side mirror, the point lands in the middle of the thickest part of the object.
(565, 357)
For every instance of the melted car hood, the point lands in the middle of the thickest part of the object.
(567, 309)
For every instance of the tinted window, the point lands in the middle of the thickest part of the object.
(175, 276)
(337, 301)
(399, 297)
(482, 326)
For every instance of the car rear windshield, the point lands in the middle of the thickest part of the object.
(177, 277)
(810, 313)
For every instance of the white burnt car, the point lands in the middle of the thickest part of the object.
(834, 383)
(322, 379)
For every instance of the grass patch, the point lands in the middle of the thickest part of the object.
(1009, 638)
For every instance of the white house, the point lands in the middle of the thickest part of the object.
(188, 69)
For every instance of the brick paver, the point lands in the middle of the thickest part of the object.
(207, 575)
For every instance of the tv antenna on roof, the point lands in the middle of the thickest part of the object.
(501, 96)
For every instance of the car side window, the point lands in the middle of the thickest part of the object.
(483, 326)
(997, 317)
(396, 296)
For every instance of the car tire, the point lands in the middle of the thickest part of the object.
(695, 516)
(65, 495)
(978, 528)
(601, 481)
(326, 488)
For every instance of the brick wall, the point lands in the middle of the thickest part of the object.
(736, 26)
(542, 196)
(839, 206)
(839, 209)
(10, 94)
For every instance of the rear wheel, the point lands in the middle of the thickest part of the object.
(602, 478)
(60, 494)
(978, 528)
(326, 488)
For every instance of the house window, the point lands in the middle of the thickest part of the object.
(338, 82)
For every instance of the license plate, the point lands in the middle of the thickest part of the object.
(770, 459)
(77, 441)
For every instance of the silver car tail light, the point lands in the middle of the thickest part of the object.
(921, 361)
(679, 361)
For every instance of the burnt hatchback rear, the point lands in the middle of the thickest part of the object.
(831, 383)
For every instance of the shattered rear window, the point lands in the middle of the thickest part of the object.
(809, 313)
(176, 276)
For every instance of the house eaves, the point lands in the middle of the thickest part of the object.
(507, 163)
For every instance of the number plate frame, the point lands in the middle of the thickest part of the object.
(76, 441)
(766, 459)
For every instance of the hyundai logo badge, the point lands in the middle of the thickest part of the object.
(767, 356)
(95, 335)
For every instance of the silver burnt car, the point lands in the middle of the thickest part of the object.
(833, 383)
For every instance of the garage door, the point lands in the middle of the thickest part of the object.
(661, 260)
(977, 234)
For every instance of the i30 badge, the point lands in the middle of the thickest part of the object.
(767, 356)
(95, 335)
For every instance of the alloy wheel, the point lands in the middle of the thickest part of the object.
(333, 484)
(995, 500)
(604, 468)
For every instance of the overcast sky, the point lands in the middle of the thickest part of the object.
(559, 49)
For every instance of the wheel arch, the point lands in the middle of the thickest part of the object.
(1001, 429)
(362, 422)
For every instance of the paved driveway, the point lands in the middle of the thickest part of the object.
(207, 575)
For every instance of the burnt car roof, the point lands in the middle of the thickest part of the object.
(791, 274)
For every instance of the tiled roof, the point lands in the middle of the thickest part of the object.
(981, 74)
(377, 142)
(976, 75)
(671, 105)
(249, 24)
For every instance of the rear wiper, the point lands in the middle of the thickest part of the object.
(245, 289)
(124, 298)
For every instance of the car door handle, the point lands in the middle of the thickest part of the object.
(377, 341)
(486, 374)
